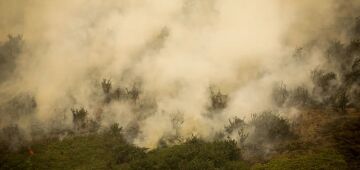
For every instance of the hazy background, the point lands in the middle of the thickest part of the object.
(174, 50)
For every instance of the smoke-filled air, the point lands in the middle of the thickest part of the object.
(180, 84)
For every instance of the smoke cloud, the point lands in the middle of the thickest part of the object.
(173, 51)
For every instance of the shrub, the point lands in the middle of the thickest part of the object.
(115, 129)
(192, 154)
(346, 135)
(79, 118)
(299, 97)
(328, 160)
(267, 131)
(133, 94)
(270, 127)
(9, 52)
(280, 94)
(11, 138)
(335, 51)
(19, 105)
(237, 123)
(340, 100)
(125, 153)
(106, 86)
(119, 94)
(322, 80)
(218, 100)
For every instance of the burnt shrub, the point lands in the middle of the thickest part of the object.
(234, 124)
(218, 100)
(322, 80)
(11, 138)
(267, 131)
(79, 118)
(133, 94)
(345, 133)
(335, 51)
(115, 129)
(340, 100)
(9, 52)
(106, 86)
(269, 127)
(280, 94)
(117, 94)
(300, 97)
(19, 105)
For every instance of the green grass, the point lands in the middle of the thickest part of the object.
(326, 160)
(90, 152)
(193, 154)
(109, 151)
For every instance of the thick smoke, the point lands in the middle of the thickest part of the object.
(168, 54)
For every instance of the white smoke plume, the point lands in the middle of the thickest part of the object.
(173, 50)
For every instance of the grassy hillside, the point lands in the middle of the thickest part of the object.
(109, 150)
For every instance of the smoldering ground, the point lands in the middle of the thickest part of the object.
(166, 64)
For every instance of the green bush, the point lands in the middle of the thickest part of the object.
(269, 127)
(328, 160)
(193, 154)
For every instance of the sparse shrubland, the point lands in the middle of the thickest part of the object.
(313, 123)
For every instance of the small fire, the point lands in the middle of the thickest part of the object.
(31, 152)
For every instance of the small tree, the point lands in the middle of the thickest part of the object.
(79, 118)
(115, 129)
(106, 86)
(300, 97)
(9, 52)
(218, 99)
(133, 94)
(119, 93)
(269, 127)
(235, 124)
(341, 100)
(322, 80)
(280, 94)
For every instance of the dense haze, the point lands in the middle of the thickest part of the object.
(174, 52)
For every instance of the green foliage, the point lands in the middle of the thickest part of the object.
(72, 153)
(126, 153)
(106, 151)
(115, 129)
(324, 160)
(267, 132)
(346, 134)
(237, 123)
(193, 154)
(270, 127)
